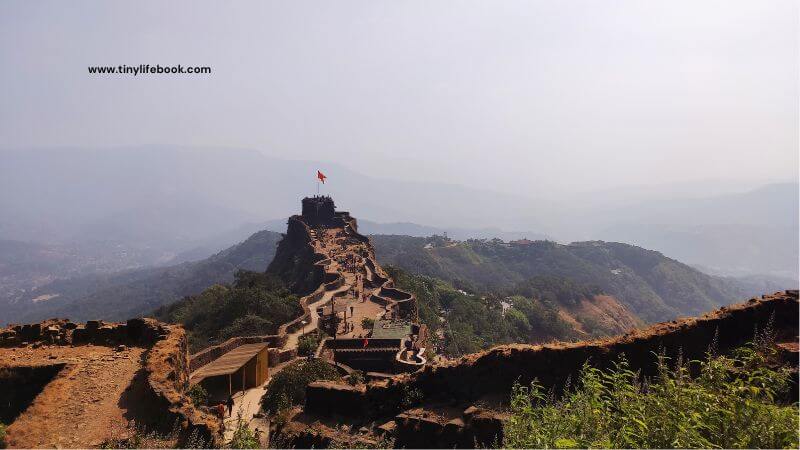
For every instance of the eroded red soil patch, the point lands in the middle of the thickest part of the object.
(84, 401)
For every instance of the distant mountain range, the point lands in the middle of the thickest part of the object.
(133, 293)
(649, 284)
(167, 204)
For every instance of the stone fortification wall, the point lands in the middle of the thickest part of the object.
(492, 373)
(167, 373)
(138, 332)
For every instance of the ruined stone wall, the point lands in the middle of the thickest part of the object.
(161, 386)
(318, 210)
(476, 428)
(492, 373)
(139, 332)
(167, 374)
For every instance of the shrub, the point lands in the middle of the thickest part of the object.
(2, 436)
(243, 436)
(288, 387)
(367, 323)
(134, 435)
(730, 404)
(307, 344)
(357, 377)
(411, 397)
(198, 395)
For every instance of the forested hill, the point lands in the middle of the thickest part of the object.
(650, 285)
(123, 295)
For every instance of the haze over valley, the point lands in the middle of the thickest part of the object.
(152, 211)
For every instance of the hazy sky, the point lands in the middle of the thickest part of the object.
(514, 96)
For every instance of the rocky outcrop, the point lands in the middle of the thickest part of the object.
(296, 261)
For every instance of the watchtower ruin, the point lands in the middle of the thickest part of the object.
(319, 211)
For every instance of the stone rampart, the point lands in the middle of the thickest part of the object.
(167, 374)
(493, 372)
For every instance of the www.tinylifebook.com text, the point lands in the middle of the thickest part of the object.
(143, 69)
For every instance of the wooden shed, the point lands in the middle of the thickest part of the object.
(242, 368)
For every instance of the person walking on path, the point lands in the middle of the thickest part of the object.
(230, 405)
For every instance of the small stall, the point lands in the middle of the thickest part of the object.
(240, 369)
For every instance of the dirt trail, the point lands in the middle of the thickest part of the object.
(83, 404)
(293, 338)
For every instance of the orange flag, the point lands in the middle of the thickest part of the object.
(321, 176)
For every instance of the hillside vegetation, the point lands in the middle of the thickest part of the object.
(539, 310)
(736, 401)
(123, 295)
(650, 285)
(255, 304)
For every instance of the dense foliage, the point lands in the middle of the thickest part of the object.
(732, 403)
(255, 304)
(651, 285)
(288, 387)
(462, 323)
(308, 343)
(555, 290)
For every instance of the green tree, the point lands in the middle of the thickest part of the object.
(307, 344)
(255, 304)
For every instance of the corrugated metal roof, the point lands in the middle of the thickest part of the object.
(229, 362)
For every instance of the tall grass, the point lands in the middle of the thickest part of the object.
(730, 402)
